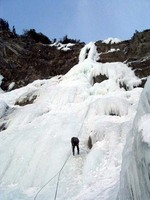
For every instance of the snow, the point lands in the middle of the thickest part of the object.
(10, 87)
(110, 51)
(117, 72)
(88, 51)
(35, 146)
(1, 79)
(3, 108)
(63, 47)
(111, 40)
(135, 183)
(113, 50)
(144, 128)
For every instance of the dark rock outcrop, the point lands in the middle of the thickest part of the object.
(22, 60)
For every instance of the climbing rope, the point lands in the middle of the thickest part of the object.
(59, 176)
(57, 186)
(44, 186)
(69, 156)
(59, 172)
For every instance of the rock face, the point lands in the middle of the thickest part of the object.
(134, 52)
(22, 60)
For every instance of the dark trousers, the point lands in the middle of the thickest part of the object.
(73, 148)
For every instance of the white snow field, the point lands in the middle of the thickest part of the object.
(35, 138)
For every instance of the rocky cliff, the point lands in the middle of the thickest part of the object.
(135, 52)
(23, 60)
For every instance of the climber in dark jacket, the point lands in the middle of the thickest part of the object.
(75, 142)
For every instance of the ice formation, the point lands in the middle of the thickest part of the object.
(36, 143)
(135, 173)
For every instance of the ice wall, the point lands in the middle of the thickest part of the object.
(135, 173)
(89, 51)
(36, 142)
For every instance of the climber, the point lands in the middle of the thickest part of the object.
(75, 142)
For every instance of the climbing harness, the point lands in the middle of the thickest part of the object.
(59, 172)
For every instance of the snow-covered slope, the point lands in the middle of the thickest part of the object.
(111, 40)
(35, 138)
(135, 173)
